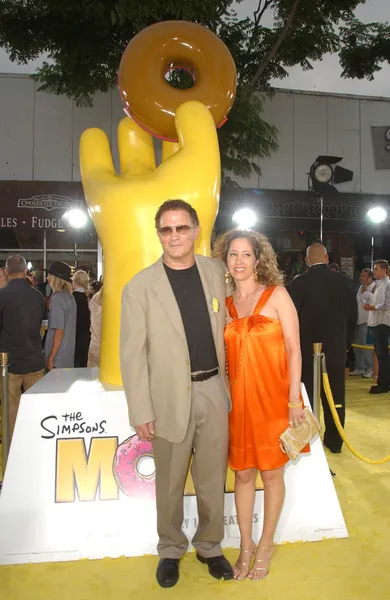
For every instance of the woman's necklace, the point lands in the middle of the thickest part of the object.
(252, 301)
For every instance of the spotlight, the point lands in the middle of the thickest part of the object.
(377, 215)
(29, 266)
(322, 173)
(325, 174)
(245, 218)
(76, 218)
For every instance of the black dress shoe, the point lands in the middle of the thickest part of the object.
(377, 389)
(218, 566)
(168, 572)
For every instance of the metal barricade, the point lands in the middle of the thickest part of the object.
(317, 354)
(5, 441)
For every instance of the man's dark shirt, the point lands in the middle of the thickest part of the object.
(188, 290)
(22, 309)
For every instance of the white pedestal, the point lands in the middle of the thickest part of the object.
(61, 500)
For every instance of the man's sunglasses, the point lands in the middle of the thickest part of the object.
(180, 229)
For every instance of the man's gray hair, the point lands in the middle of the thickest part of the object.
(15, 264)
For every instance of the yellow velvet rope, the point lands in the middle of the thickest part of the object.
(362, 347)
(329, 397)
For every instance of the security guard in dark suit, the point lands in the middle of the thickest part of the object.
(327, 310)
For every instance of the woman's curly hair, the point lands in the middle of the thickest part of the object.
(267, 267)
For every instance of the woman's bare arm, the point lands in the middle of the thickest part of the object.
(288, 317)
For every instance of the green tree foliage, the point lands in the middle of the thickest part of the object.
(84, 41)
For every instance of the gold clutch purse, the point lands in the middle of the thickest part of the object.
(294, 439)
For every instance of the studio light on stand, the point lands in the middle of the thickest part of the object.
(376, 216)
(245, 218)
(324, 175)
(77, 219)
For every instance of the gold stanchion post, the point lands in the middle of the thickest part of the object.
(317, 353)
(4, 408)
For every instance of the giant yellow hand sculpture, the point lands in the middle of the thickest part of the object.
(123, 206)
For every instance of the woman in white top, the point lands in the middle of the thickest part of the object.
(364, 358)
(95, 306)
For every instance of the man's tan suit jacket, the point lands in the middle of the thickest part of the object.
(155, 362)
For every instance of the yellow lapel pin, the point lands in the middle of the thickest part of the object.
(215, 305)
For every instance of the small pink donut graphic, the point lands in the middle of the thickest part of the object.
(134, 469)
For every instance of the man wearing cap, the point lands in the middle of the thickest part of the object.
(22, 309)
(61, 330)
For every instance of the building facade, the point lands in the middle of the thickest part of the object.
(40, 172)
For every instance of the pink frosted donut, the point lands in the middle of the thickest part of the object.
(133, 468)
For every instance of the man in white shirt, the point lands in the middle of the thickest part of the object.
(364, 358)
(379, 319)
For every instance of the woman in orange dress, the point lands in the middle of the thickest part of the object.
(264, 367)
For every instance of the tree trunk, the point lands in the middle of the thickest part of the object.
(272, 53)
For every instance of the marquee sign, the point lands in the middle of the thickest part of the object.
(38, 205)
(48, 202)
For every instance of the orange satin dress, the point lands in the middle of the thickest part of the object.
(259, 381)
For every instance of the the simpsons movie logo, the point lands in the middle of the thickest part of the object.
(106, 468)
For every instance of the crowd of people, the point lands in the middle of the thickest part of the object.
(373, 296)
(293, 267)
(45, 325)
(373, 321)
(212, 351)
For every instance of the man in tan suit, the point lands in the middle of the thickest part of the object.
(173, 370)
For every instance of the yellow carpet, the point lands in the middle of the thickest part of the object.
(356, 568)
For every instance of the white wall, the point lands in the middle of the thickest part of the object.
(17, 108)
(39, 135)
(311, 124)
